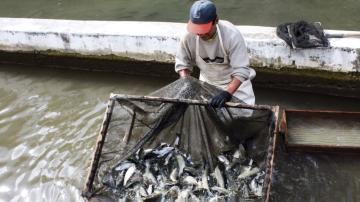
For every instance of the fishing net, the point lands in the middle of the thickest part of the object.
(172, 146)
(302, 34)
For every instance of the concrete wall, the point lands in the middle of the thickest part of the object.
(158, 41)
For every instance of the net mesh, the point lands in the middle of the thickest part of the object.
(157, 150)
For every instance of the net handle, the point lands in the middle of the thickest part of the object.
(187, 101)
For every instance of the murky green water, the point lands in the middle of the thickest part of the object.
(333, 14)
(49, 121)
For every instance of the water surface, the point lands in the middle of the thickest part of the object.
(49, 121)
(333, 14)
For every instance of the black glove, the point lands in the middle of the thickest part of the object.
(220, 99)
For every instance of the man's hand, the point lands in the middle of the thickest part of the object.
(220, 99)
(184, 73)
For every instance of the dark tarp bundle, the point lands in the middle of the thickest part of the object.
(200, 131)
(302, 34)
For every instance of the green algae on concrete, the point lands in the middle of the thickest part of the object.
(128, 57)
(273, 68)
(312, 73)
(309, 80)
(106, 63)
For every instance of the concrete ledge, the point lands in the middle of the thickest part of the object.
(158, 41)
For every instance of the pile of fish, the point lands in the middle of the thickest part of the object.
(167, 174)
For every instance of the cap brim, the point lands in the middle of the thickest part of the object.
(198, 28)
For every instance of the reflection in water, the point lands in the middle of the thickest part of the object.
(49, 121)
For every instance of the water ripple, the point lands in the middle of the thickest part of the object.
(18, 152)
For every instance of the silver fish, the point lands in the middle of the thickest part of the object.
(170, 183)
(173, 175)
(240, 153)
(160, 178)
(163, 144)
(181, 163)
(259, 175)
(167, 159)
(225, 161)
(150, 189)
(177, 141)
(163, 151)
(237, 154)
(256, 184)
(161, 181)
(255, 188)
(220, 190)
(147, 151)
(138, 154)
(218, 176)
(247, 172)
(204, 180)
(135, 179)
(129, 173)
(183, 196)
(148, 176)
(137, 195)
(189, 160)
(190, 180)
(120, 178)
(124, 165)
(192, 171)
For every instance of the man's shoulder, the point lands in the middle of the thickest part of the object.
(228, 25)
(229, 30)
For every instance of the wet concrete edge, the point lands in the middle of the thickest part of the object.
(304, 80)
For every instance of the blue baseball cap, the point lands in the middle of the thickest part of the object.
(202, 14)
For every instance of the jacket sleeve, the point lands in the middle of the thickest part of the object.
(184, 58)
(239, 58)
